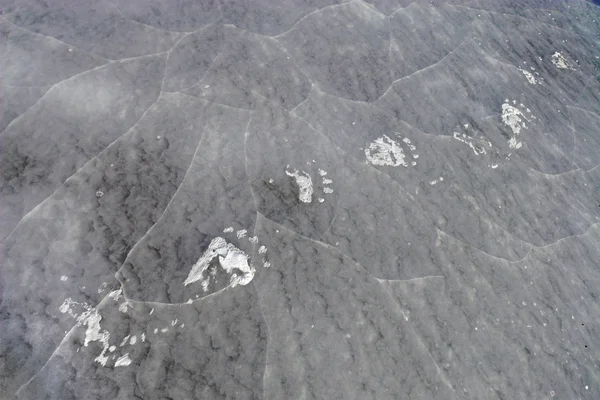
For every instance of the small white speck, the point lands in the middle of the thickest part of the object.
(253, 239)
(112, 348)
(227, 230)
(206, 87)
(327, 181)
(143, 337)
(322, 173)
(327, 190)
(158, 137)
(163, 330)
(151, 311)
(262, 250)
(271, 180)
(174, 322)
(99, 193)
(321, 200)
(266, 264)
(64, 278)
(123, 307)
(241, 233)
(155, 330)
(133, 340)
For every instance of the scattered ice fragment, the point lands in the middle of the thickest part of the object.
(433, 182)
(266, 264)
(304, 182)
(253, 239)
(327, 181)
(123, 361)
(241, 233)
(164, 330)
(143, 337)
(133, 340)
(64, 278)
(112, 348)
(174, 322)
(228, 230)
(99, 193)
(123, 307)
(321, 200)
(328, 190)
(262, 250)
(322, 173)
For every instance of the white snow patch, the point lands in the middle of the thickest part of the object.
(253, 239)
(513, 118)
(530, 77)
(123, 361)
(469, 141)
(231, 259)
(560, 61)
(385, 151)
(228, 230)
(262, 250)
(322, 173)
(125, 339)
(327, 181)
(133, 340)
(102, 287)
(241, 233)
(304, 182)
(321, 200)
(64, 278)
(115, 294)
(328, 190)
(123, 307)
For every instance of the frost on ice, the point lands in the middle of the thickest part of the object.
(514, 118)
(231, 259)
(304, 182)
(385, 151)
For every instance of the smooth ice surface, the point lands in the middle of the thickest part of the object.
(336, 199)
